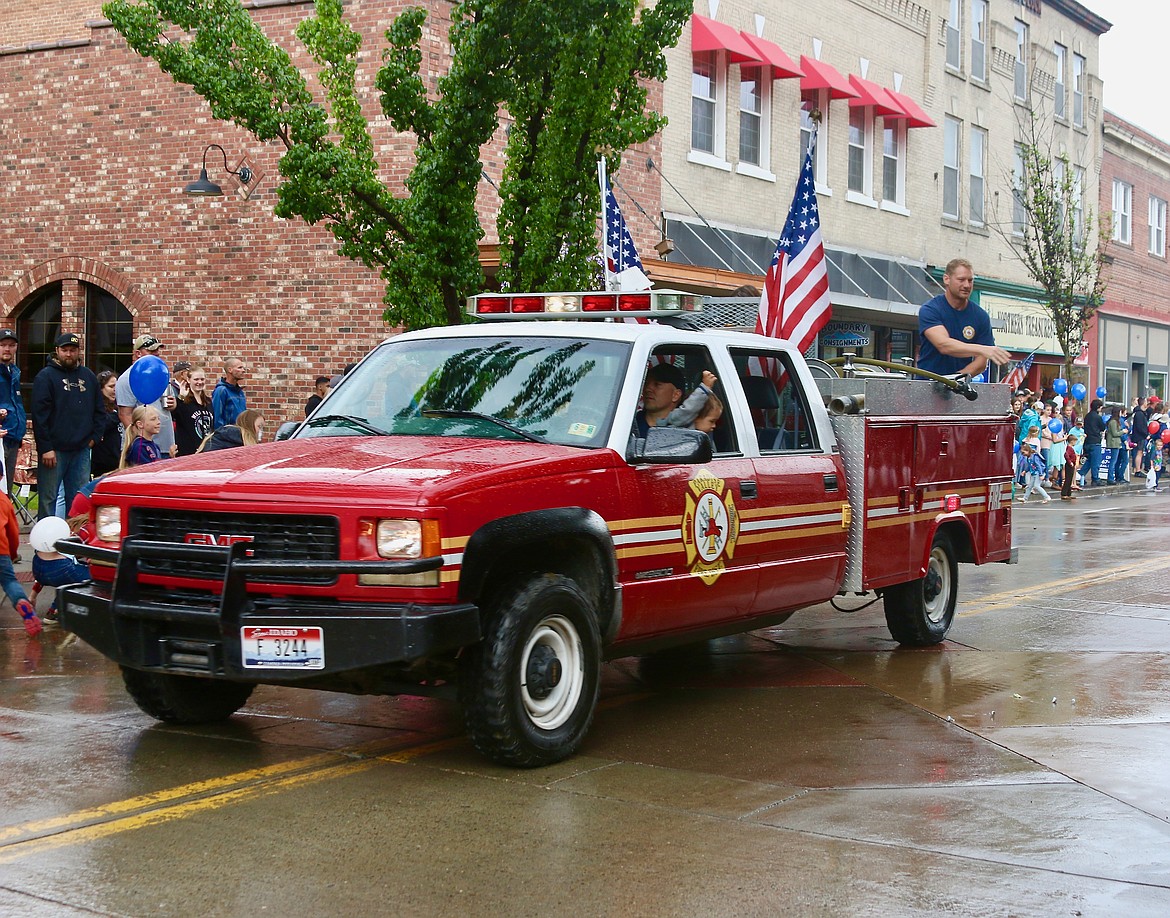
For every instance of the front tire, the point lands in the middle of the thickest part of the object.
(919, 613)
(529, 688)
(185, 699)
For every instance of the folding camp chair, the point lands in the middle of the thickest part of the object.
(24, 482)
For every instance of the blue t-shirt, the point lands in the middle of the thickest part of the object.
(971, 324)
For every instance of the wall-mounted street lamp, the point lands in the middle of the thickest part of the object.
(204, 186)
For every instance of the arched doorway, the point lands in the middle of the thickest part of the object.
(107, 332)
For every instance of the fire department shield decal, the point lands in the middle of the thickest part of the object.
(710, 526)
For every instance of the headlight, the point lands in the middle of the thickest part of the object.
(400, 538)
(109, 523)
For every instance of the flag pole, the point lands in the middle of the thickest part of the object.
(603, 184)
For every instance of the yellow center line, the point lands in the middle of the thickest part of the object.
(1063, 584)
(199, 797)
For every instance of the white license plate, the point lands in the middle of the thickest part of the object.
(263, 647)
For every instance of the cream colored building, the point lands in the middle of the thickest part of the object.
(905, 182)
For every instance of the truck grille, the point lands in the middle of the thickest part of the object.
(290, 539)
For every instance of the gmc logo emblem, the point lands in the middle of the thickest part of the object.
(210, 538)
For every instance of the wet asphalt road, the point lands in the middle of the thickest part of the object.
(1022, 768)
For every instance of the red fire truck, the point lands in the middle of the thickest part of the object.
(475, 510)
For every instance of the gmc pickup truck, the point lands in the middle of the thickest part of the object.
(473, 511)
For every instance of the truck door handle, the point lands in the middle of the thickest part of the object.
(748, 490)
(831, 482)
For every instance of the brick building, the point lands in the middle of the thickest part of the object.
(96, 235)
(1131, 348)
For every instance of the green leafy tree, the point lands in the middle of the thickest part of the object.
(1055, 235)
(569, 77)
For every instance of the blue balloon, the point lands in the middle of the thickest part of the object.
(149, 378)
(1016, 447)
(1055, 426)
(1080, 390)
(1101, 392)
(982, 377)
(1060, 386)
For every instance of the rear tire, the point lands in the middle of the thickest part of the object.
(185, 699)
(529, 688)
(919, 613)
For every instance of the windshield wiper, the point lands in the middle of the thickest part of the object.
(480, 416)
(359, 423)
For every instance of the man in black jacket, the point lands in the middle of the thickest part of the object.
(1094, 429)
(67, 411)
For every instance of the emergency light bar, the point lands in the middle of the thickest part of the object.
(584, 305)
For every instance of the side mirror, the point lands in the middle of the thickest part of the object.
(286, 430)
(670, 446)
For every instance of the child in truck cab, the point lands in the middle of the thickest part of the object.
(662, 398)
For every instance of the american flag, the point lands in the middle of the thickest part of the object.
(623, 267)
(795, 302)
(1015, 378)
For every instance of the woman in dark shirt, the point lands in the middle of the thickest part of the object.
(107, 444)
(193, 416)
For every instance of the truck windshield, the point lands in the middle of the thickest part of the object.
(526, 388)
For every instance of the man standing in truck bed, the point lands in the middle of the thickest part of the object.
(956, 333)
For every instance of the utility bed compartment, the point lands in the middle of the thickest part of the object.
(918, 456)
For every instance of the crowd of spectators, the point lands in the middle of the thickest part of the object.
(1064, 444)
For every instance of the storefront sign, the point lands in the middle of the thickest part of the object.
(846, 334)
(1021, 325)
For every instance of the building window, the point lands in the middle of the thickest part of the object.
(955, 35)
(1019, 212)
(753, 110)
(1078, 203)
(979, 40)
(861, 150)
(1122, 211)
(1115, 385)
(1058, 90)
(894, 163)
(1021, 80)
(109, 331)
(951, 130)
(810, 101)
(1078, 90)
(1156, 384)
(706, 98)
(1157, 227)
(978, 143)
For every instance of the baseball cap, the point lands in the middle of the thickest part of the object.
(67, 339)
(6, 333)
(147, 342)
(667, 373)
(181, 366)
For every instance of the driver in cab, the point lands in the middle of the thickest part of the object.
(662, 399)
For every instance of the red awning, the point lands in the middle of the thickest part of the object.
(870, 95)
(709, 35)
(819, 75)
(773, 55)
(914, 115)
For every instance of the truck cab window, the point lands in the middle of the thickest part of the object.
(778, 403)
(676, 373)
